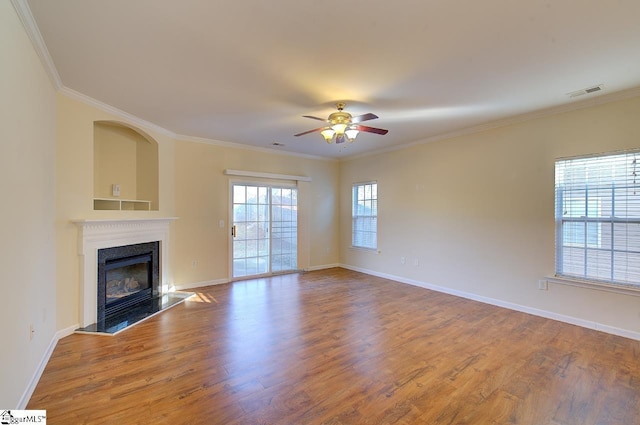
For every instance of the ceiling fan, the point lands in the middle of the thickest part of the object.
(342, 126)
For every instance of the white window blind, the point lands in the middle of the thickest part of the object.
(598, 218)
(364, 215)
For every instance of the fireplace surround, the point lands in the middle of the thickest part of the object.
(96, 235)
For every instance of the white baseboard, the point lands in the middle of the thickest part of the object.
(201, 284)
(194, 285)
(505, 304)
(322, 267)
(28, 392)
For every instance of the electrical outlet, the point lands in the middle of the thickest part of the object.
(403, 260)
(543, 285)
(416, 262)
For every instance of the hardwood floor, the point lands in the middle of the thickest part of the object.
(341, 347)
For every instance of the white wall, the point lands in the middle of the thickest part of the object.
(27, 184)
(477, 212)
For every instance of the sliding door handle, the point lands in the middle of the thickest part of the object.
(233, 230)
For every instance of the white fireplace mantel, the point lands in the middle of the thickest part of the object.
(98, 234)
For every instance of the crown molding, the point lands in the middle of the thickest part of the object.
(130, 118)
(515, 119)
(29, 24)
(233, 145)
(139, 122)
(26, 17)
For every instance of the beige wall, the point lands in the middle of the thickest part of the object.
(477, 212)
(125, 157)
(192, 188)
(202, 201)
(147, 172)
(114, 161)
(75, 186)
(27, 182)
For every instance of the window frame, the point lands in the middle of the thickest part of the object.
(356, 218)
(603, 223)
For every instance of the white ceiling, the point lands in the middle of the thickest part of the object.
(246, 71)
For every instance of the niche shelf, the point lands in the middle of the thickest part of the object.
(121, 204)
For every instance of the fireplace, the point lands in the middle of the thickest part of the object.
(127, 276)
(101, 236)
(124, 275)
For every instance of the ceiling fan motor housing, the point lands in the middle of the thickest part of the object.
(340, 118)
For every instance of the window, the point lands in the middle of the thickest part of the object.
(598, 218)
(364, 213)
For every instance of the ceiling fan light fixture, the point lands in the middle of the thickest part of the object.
(339, 128)
(351, 134)
(342, 126)
(328, 134)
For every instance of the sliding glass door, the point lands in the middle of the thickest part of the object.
(264, 230)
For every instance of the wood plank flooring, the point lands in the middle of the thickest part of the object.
(341, 347)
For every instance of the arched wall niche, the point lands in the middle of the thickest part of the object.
(125, 168)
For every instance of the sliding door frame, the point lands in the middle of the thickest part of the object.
(270, 185)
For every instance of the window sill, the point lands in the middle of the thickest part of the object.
(361, 248)
(619, 288)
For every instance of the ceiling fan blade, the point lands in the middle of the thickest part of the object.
(364, 117)
(315, 118)
(372, 129)
(310, 131)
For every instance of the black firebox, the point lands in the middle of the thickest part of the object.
(127, 276)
